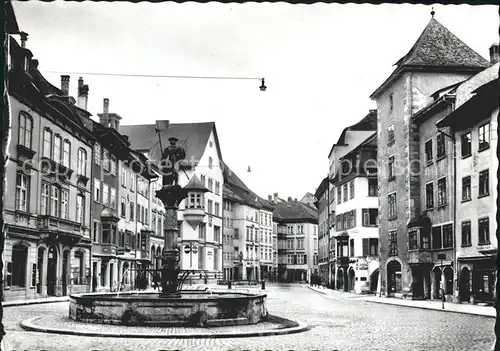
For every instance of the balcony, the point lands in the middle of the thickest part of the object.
(105, 249)
(419, 256)
(54, 228)
(56, 169)
(281, 250)
(194, 215)
(24, 153)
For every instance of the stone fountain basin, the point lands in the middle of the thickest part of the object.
(192, 308)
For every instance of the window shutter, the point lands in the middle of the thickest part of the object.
(365, 247)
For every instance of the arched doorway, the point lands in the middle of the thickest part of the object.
(125, 273)
(39, 270)
(19, 265)
(448, 280)
(351, 279)
(65, 272)
(374, 281)
(340, 279)
(393, 278)
(464, 285)
(437, 282)
(52, 271)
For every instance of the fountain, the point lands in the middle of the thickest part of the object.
(172, 306)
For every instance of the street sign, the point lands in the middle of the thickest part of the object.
(187, 249)
(195, 249)
(441, 256)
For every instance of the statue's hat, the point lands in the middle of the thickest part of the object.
(173, 139)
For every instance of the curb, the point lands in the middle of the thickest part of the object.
(321, 292)
(30, 326)
(32, 302)
(433, 309)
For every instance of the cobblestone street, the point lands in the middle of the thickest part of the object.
(342, 323)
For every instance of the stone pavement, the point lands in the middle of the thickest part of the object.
(336, 323)
(485, 311)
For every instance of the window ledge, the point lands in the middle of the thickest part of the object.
(440, 158)
(392, 218)
(440, 207)
(392, 178)
(483, 244)
(483, 195)
(466, 200)
(430, 208)
(481, 149)
(428, 163)
(466, 156)
(466, 245)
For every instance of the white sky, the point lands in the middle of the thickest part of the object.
(321, 63)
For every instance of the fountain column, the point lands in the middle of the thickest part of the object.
(171, 196)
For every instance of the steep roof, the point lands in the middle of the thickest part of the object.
(236, 190)
(437, 48)
(192, 136)
(367, 123)
(295, 211)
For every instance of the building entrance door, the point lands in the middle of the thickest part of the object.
(52, 271)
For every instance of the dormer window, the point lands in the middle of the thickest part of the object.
(195, 200)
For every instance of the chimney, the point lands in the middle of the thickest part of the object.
(269, 197)
(275, 198)
(494, 54)
(295, 199)
(83, 94)
(162, 125)
(65, 85)
(105, 111)
(289, 199)
(24, 39)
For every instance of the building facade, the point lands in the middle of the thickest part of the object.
(408, 89)
(47, 246)
(322, 204)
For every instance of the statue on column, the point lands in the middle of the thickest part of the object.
(169, 159)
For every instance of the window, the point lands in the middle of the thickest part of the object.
(105, 160)
(97, 190)
(22, 184)
(466, 144)
(424, 239)
(352, 219)
(57, 149)
(209, 206)
(194, 200)
(436, 238)
(345, 191)
(390, 166)
(466, 233)
(54, 201)
(217, 188)
(442, 200)
(44, 203)
(202, 230)
(80, 209)
(441, 146)
(113, 165)
(484, 187)
(372, 187)
(428, 151)
(393, 243)
(217, 209)
(81, 167)
(351, 189)
(124, 176)
(25, 130)
(132, 181)
(97, 154)
(392, 206)
(105, 194)
(290, 244)
(429, 195)
(339, 195)
(112, 198)
(203, 179)
(47, 143)
(391, 102)
(210, 162)
(466, 190)
(484, 231)
(123, 208)
(390, 135)
(210, 184)
(351, 247)
(484, 137)
(370, 217)
(447, 236)
(95, 232)
(64, 204)
(217, 234)
(132, 210)
(66, 154)
(412, 240)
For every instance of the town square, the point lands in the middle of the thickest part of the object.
(249, 176)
